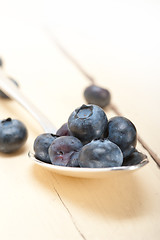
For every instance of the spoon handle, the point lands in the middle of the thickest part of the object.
(13, 92)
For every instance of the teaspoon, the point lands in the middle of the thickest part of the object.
(15, 93)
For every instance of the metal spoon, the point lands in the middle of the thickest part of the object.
(15, 93)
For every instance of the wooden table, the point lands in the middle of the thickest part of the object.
(38, 204)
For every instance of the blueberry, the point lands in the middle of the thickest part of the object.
(64, 151)
(73, 162)
(97, 95)
(122, 132)
(87, 123)
(2, 94)
(133, 159)
(13, 135)
(100, 154)
(1, 62)
(63, 130)
(41, 145)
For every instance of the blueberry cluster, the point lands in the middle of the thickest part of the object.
(90, 140)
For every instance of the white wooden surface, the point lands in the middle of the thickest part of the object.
(37, 204)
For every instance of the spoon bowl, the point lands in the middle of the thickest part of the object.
(87, 172)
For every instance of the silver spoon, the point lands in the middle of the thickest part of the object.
(15, 93)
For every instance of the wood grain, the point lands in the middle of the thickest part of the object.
(37, 204)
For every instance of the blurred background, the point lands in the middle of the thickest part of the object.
(117, 42)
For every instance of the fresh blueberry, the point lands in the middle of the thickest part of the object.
(41, 145)
(64, 151)
(133, 159)
(122, 132)
(2, 94)
(87, 123)
(63, 130)
(13, 135)
(97, 95)
(1, 62)
(100, 154)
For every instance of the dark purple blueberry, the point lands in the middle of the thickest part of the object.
(41, 146)
(122, 132)
(64, 151)
(63, 130)
(97, 95)
(100, 154)
(13, 135)
(2, 94)
(133, 159)
(87, 123)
